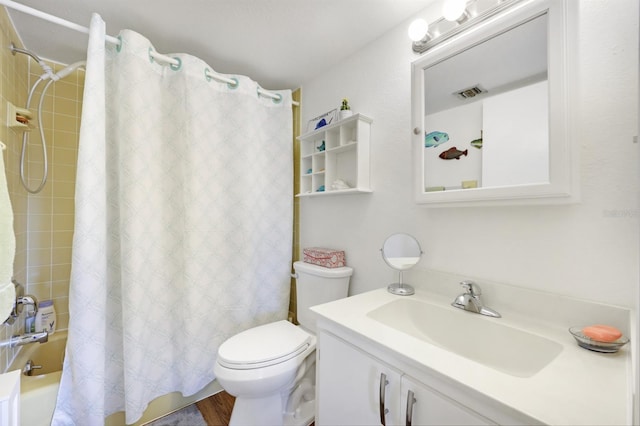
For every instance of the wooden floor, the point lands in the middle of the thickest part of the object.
(216, 409)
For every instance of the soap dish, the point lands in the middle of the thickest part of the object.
(595, 345)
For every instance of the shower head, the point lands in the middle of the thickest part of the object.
(15, 50)
(48, 72)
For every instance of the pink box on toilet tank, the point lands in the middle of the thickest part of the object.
(329, 258)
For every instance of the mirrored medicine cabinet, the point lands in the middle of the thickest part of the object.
(491, 112)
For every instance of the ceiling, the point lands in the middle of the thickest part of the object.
(278, 43)
(512, 59)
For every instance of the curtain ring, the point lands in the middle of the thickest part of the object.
(235, 84)
(119, 45)
(177, 66)
(206, 74)
(278, 99)
(150, 56)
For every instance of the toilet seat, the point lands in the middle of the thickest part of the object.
(264, 346)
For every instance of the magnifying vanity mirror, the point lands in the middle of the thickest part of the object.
(401, 252)
(490, 111)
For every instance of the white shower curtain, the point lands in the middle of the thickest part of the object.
(183, 226)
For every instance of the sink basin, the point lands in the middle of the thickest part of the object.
(470, 335)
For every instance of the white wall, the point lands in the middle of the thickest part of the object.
(463, 124)
(588, 250)
(516, 133)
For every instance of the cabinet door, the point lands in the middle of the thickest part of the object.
(349, 390)
(430, 407)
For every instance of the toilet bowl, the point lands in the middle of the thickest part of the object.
(270, 369)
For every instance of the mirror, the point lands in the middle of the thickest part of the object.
(401, 252)
(491, 115)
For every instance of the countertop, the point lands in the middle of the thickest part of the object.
(578, 387)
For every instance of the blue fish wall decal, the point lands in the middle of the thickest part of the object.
(434, 139)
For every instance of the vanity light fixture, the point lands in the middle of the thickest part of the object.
(418, 30)
(455, 11)
(458, 15)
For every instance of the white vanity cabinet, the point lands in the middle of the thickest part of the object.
(422, 405)
(362, 336)
(356, 388)
(337, 151)
(348, 385)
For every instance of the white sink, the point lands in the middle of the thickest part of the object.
(473, 336)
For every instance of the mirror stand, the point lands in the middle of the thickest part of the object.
(401, 252)
(399, 288)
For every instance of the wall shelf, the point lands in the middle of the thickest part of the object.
(338, 151)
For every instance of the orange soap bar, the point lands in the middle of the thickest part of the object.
(602, 333)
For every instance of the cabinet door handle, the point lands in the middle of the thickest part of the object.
(410, 401)
(383, 384)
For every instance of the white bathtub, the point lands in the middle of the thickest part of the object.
(38, 393)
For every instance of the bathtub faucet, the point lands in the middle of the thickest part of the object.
(25, 339)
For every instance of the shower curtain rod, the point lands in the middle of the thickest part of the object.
(114, 40)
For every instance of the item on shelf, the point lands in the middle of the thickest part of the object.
(326, 257)
(322, 123)
(345, 109)
(321, 188)
(339, 184)
(322, 120)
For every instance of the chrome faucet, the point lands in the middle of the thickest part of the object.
(25, 339)
(21, 301)
(470, 300)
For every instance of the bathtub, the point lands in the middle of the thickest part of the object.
(38, 392)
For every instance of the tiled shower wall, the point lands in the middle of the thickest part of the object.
(43, 223)
(51, 211)
(14, 72)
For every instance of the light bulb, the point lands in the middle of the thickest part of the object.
(452, 10)
(418, 29)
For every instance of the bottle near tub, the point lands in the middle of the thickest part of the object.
(46, 317)
(30, 319)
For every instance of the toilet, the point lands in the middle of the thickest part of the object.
(270, 369)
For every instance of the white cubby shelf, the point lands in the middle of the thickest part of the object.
(337, 151)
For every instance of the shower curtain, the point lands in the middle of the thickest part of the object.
(183, 227)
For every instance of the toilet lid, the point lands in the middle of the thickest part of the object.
(264, 345)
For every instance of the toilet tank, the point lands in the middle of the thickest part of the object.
(316, 285)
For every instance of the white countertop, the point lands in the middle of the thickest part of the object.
(578, 387)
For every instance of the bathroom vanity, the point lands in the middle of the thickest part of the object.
(387, 359)
(389, 392)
